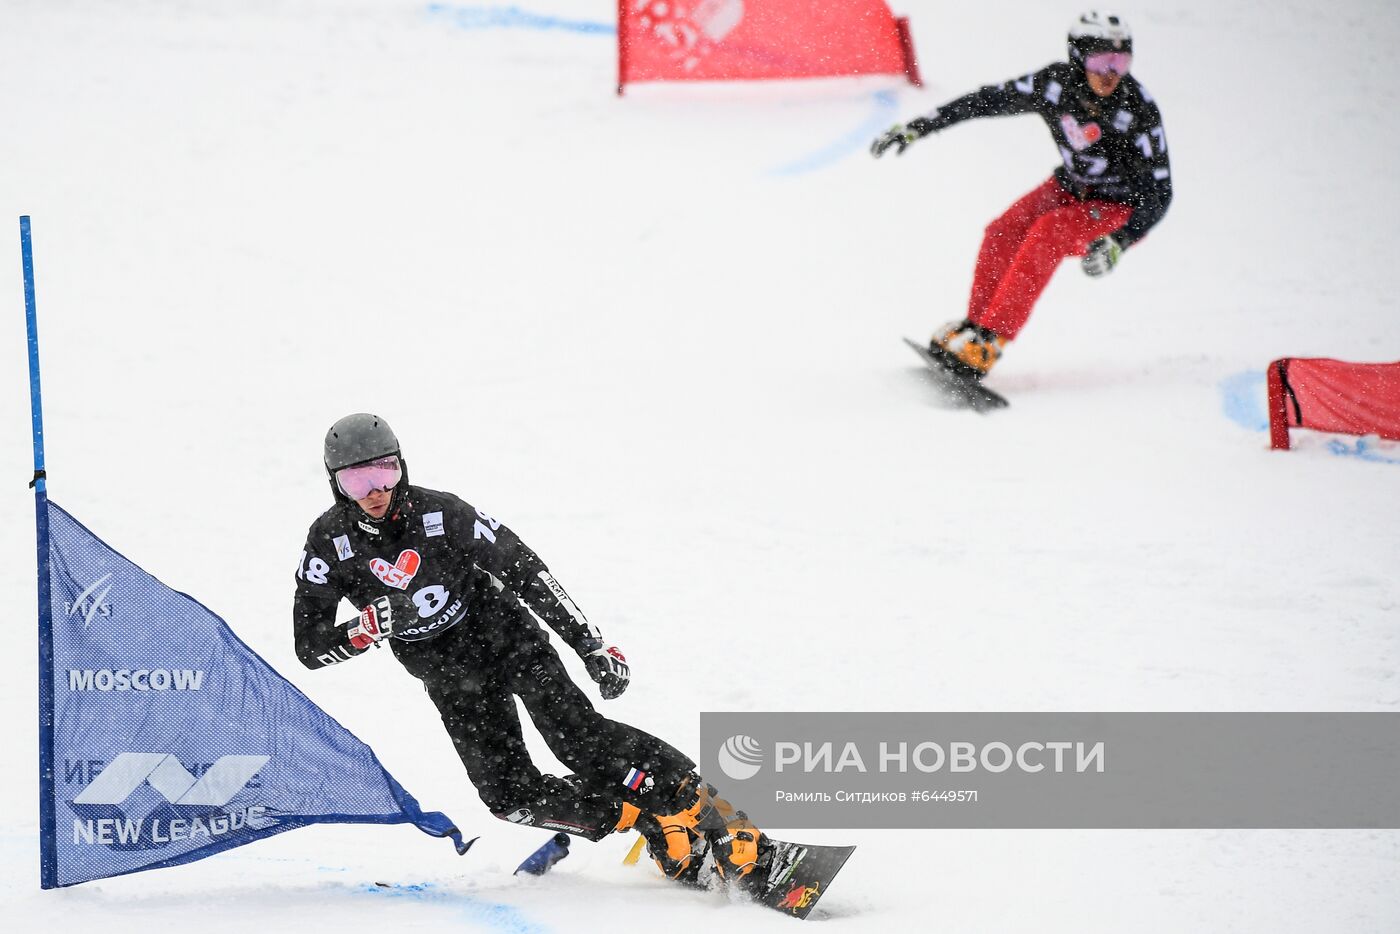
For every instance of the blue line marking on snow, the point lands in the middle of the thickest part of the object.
(495, 915)
(512, 17)
(886, 108)
(1245, 399)
(1365, 449)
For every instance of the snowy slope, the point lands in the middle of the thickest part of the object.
(658, 336)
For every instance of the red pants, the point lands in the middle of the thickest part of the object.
(1022, 248)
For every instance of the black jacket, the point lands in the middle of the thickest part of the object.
(1113, 148)
(449, 570)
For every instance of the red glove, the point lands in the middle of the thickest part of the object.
(376, 622)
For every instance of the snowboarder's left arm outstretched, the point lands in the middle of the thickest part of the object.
(1017, 96)
(501, 553)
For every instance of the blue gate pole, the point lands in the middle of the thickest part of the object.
(48, 862)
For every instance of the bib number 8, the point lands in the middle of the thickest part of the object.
(430, 599)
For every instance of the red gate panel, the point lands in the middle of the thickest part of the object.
(721, 40)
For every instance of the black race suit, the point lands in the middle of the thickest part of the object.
(466, 593)
(1113, 148)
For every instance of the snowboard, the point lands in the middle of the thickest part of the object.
(956, 383)
(790, 877)
(799, 875)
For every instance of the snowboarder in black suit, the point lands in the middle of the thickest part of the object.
(459, 597)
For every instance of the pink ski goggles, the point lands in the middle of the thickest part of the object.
(1105, 63)
(359, 481)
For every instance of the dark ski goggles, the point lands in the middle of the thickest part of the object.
(359, 481)
(1108, 63)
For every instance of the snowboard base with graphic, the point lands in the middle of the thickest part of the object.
(799, 875)
(955, 382)
(790, 877)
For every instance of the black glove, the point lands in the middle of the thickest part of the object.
(901, 135)
(1103, 254)
(608, 667)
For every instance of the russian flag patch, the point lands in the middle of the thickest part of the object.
(634, 779)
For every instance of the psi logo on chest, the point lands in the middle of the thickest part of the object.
(400, 572)
(1080, 137)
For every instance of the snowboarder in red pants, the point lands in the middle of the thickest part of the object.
(1114, 185)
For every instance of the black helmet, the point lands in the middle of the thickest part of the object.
(1098, 32)
(356, 439)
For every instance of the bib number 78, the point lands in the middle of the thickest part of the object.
(485, 527)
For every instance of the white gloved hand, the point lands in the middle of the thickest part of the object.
(1103, 254)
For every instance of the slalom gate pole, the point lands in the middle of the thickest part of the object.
(621, 45)
(48, 862)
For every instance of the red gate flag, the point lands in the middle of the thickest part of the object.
(1332, 395)
(722, 40)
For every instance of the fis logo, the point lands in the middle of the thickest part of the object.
(92, 601)
(163, 772)
(740, 757)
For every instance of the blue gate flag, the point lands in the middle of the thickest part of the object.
(172, 740)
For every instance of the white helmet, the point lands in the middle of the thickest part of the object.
(1098, 32)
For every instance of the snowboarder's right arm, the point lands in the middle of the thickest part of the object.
(320, 641)
(1017, 96)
